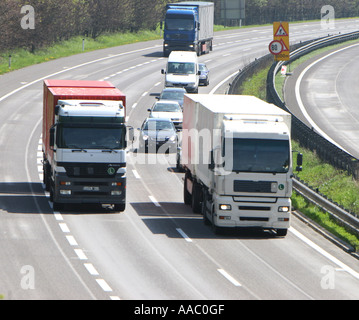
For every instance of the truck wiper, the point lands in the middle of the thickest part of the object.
(107, 149)
(77, 149)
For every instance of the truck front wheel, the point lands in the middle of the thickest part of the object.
(282, 232)
(187, 197)
(196, 197)
(119, 207)
(217, 230)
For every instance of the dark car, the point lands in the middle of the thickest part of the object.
(158, 135)
(204, 74)
(176, 94)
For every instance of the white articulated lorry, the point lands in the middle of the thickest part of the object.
(236, 153)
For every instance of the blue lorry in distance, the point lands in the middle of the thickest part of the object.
(188, 27)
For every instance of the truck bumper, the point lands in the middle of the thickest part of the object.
(89, 190)
(265, 215)
(169, 46)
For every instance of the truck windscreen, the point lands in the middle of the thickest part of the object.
(82, 137)
(255, 155)
(179, 22)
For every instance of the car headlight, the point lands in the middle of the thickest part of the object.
(173, 138)
(145, 137)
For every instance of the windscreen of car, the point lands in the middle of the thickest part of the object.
(172, 95)
(158, 125)
(202, 67)
(166, 107)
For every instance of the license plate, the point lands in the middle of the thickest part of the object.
(91, 188)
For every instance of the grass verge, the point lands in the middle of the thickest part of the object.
(21, 58)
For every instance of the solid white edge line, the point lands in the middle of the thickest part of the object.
(222, 82)
(324, 253)
(300, 102)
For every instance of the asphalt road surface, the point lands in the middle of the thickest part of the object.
(324, 89)
(156, 249)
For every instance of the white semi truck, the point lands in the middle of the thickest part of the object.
(237, 157)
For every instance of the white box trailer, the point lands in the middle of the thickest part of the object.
(236, 153)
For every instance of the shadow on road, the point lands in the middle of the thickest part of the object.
(167, 217)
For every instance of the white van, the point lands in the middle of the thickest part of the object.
(182, 71)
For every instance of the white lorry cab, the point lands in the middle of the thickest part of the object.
(237, 157)
(182, 71)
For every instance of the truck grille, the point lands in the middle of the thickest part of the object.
(86, 170)
(252, 186)
(179, 36)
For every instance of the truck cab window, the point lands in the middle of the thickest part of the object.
(174, 22)
(90, 138)
(252, 155)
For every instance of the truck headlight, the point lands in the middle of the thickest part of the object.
(116, 193)
(65, 192)
(283, 209)
(225, 207)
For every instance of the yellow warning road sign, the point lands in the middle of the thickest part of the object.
(281, 34)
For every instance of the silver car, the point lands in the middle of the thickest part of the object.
(168, 109)
(158, 134)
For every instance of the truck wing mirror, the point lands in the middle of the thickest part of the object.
(163, 71)
(52, 137)
(211, 161)
(299, 162)
(131, 134)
